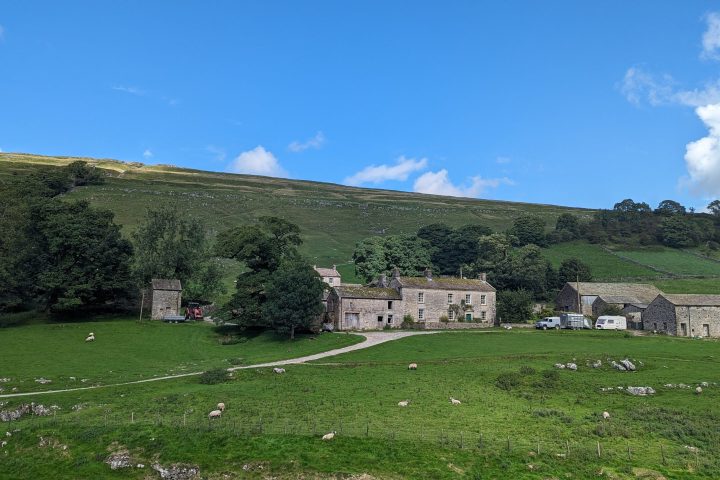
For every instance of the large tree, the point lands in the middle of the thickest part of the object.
(514, 305)
(573, 269)
(376, 255)
(293, 298)
(527, 229)
(670, 207)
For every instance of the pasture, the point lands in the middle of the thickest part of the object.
(520, 417)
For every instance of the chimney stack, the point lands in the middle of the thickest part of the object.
(382, 281)
(396, 272)
(428, 274)
(483, 277)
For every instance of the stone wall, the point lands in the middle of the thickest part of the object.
(165, 302)
(660, 316)
(363, 313)
(450, 325)
(435, 304)
(698, 321)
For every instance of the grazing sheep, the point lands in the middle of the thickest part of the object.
(278, 370)
(329, 436)
(606, 415)
(404, 403)
(90, 338)
(455, 401)
(412, 366)
(215, 414)
(221, 406)
(698, 390)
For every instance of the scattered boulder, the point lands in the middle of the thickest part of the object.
(597, 364)
(641, 391)
(119, 460)
(24, 409)
(559, 365)
(628, 365)
(571, 366)
(43, 380)
(698, 390)
(618, 366)
(177, 471)
(704, 384)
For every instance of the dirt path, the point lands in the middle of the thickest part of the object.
(371, 339)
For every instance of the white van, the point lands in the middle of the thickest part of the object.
(611, 322)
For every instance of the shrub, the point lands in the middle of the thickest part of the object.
(235, 361)
(444, 319)
(508, 380)
(214, 376)
(526, 370)
(232, 340)
(408, 322)
(387, 327)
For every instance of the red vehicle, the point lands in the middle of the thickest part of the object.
(193, 311)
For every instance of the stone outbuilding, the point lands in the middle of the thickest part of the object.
(166, 297)
(357, 307)
(684, 315)
(329, 275)
(594, 297)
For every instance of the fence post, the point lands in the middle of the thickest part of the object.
(480, 441)
(132, 417)
(598, 449)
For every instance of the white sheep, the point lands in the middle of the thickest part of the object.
(412, 366)
(329, 436)
(455, 401)
(278, 370)
(221, 406)
(215, 414)
(404, 403)
(605, 415)
(90, 338)
(698, 390)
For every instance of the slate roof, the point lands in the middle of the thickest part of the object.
(637, 292)
(620, 299)
(693, 300)
(327, 272)
(166, 284)
(446, 283)
(359, 291)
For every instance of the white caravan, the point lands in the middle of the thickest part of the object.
(611, 322)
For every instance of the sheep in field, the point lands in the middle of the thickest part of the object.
(698, 390)
(455, 401)
(221, 406)
(90, 338)
(278, 370)
(412, 366)
(404, 403)
(329, 436)
(605, 415)
(215, 414)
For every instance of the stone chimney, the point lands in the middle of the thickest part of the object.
(382, 281)
(335, 267)
(483, 277)
(428, 273)
(396, 272)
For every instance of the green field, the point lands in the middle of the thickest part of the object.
(676, 262)
(603, 264)
(530, 425)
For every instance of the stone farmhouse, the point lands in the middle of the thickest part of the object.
(595, 297)
(329, 275)
(166, 297)
(684, 315)
(432, 302)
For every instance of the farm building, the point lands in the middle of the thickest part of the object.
(442, 302)
(329, 275)
(594, 297)
(684, 315)
(166, 297)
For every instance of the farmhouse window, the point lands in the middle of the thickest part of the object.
(390, 305)
(468, 317)
(380, 318)
(421, 314)
(451, 314)
(483, 299)
(468, 299)
(421, 297)
(450, 298)
(330, 280)
(390, 318)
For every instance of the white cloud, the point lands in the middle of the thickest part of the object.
(147, 154)
(702, 157)
(380, 173)
(315, 142)
(638, 85)
(711, 37)
(438, 183)
(258, 161)
(129, 89)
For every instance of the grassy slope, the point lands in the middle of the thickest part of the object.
(126, 350)
(604, 265)
(674, 261)
(357, 395)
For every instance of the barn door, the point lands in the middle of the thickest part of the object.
(352, 320)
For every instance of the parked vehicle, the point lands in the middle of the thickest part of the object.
(548, 322)
(575, 321)
(194, 311)
(611, 322)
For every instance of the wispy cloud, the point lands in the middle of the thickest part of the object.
(503, 160)
(218, 152)
(639, 86)
(129, 89)
(258, 161)
(315, 142)
(147, 154)
(711, 37)
(376, 174)
(439, 183)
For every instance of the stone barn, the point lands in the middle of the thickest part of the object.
(684, 315)
(329, 275)
(355, 307)
(594, 297)
(166, 297)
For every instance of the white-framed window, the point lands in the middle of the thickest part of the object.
(483, 315)
(421, 297)
(330, 280)
(450, 298)
(451, 314)
(468, 299)
(483, 299)
(421, 314)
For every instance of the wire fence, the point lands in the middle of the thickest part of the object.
(588, 449)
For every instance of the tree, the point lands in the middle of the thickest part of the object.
(526, 269)
(527, 229)
(376, 255)
(571, 270)
(294, 296)
(677, 231)
(169, 244)
(714, 207)
(514, 305)
(630, 206)
(670, 207)
(450, 249)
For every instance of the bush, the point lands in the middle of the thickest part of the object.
(508, 380)
(235, 361)
(408, 322)
(526, 370)
(232, 340)
(444, 319)
(214, 376)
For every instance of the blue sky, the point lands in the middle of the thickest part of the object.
(562, 102)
